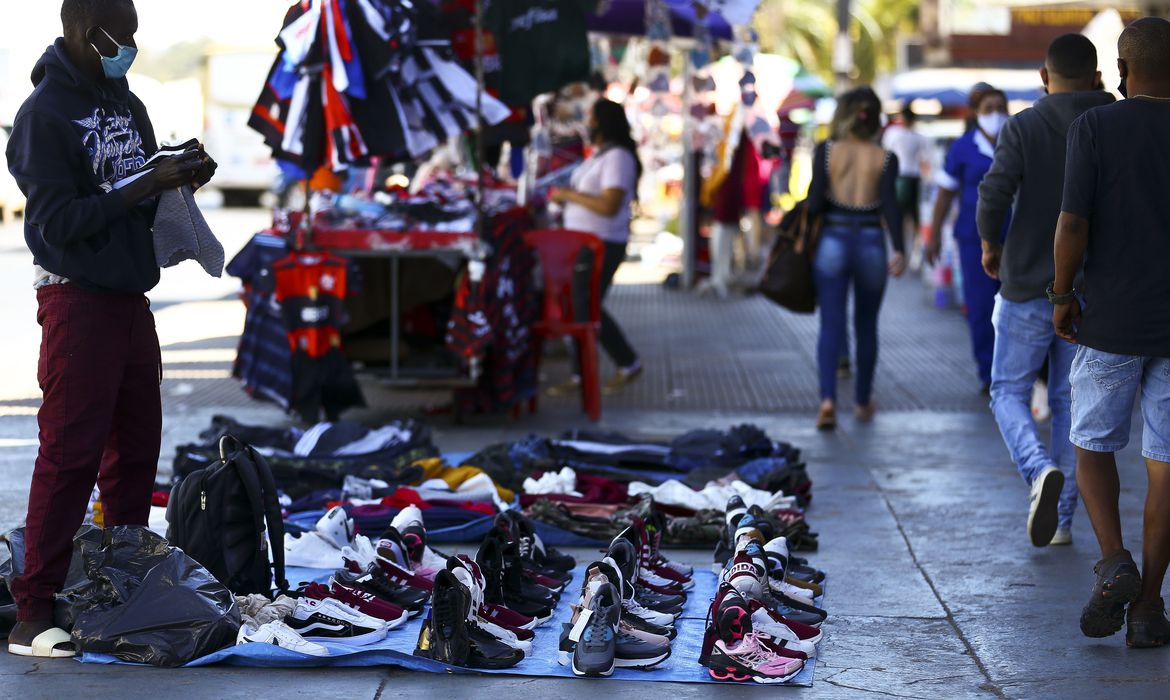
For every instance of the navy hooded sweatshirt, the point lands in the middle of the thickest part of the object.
(71, 140)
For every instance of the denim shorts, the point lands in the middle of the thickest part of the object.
(1104, 388)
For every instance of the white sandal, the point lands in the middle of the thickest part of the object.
(44, 645)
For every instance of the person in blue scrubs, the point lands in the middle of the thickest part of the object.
(967, 162)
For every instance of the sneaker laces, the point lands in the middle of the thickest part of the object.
(757, 654)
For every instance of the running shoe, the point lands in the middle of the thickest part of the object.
(750, 659)
(596, 631)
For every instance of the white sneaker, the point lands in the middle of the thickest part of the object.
(361, 551)
(336, 527)
(311, 551)
(281, 635)
(1041, 412)
(1063, 536)
(410, 515)
(333, 621)
(763, 622)
(1045, 497)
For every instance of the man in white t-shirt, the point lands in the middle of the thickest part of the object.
(910, 147)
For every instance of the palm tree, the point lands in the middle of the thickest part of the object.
(804, 30)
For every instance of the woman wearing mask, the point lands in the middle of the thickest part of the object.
(854, 189)
(598, 202)
(967, 162)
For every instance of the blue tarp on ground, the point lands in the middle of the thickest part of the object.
(398, 647)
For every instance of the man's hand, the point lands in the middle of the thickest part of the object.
(207, 166)
(1066, 319)
(897, 265)
(992, 254)
(175, 172)
(934, 249)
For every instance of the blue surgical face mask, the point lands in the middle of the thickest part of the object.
(118, 66)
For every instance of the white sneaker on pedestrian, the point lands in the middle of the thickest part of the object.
(1063, 536)
(281, 635)
(1042, 516)
(1041, 412)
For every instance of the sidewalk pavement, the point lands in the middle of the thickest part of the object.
(934, 590)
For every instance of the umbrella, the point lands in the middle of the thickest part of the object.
(629, 17)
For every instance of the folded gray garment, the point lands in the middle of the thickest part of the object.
(181, 233)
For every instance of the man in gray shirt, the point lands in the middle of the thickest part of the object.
(1028, 172)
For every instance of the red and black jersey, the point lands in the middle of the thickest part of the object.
(311, 289)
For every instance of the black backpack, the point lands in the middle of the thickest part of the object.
(217, 516)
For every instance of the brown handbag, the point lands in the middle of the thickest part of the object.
(788, 277)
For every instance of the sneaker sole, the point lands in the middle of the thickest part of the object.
(565, 658)
(594, 673)
(1042, 517)
(1104, 617)
(360, 640)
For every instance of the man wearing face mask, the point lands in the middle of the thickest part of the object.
(966, 163)
(1115, 221)
(79, 133)
(1028, 173)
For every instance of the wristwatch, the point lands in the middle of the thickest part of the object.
(1061, 299)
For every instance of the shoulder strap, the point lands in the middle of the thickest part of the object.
(274, 516)
(251, 481)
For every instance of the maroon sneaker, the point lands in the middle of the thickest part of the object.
(367, 604)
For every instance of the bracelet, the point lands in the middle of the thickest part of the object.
(1061, 299)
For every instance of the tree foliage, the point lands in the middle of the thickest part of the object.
(804, 30)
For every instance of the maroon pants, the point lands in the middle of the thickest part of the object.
(101, 422)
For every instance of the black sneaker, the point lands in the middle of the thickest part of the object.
(444, 635)
(1146, 625)
(1118, 584)
(522, 531)
(499, 591)
(725, 547)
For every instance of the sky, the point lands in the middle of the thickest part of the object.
(31, 26)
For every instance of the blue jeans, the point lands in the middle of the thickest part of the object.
(979, 292)
(1105, 387)
(1023, 338)
(853, 251)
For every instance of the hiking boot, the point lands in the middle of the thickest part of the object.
(1042, 515)
(1146, 625)
(1118, 584)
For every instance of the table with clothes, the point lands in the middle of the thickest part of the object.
(430, 302)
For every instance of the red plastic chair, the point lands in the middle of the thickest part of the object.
(558, 250)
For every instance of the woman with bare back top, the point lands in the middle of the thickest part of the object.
(854, 189)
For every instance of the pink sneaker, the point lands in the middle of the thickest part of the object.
(751, 660)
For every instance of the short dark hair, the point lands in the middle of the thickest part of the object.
(1145, 47)
(859, 113)
(80, 15)
(1072, 56)
(908, 114)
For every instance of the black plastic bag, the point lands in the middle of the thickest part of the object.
(88, 538)
(148, 602)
